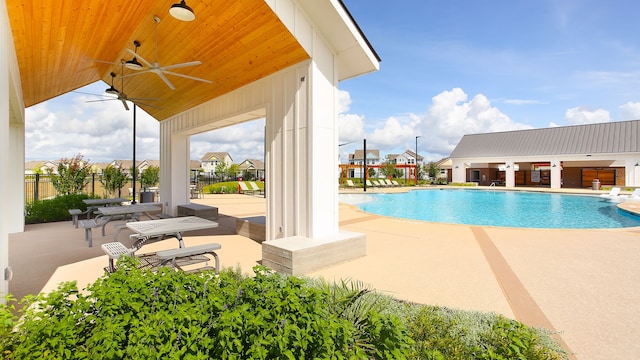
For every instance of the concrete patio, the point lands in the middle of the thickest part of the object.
(582, 283)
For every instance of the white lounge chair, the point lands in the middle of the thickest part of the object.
(255, 187)
(369, 183)
(635, 196)
(395, 183)
(375, 183)
(350, 183)
(388, 182)
(244, 189)
(613, 194)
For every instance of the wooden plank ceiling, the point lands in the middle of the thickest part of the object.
(57, 43)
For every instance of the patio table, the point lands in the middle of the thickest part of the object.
(173, 227)
(126, 211)
(93, 204)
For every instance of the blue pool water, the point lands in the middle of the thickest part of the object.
(497, 208)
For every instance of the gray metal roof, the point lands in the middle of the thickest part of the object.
(603, 138)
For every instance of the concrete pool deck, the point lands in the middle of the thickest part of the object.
(582, 283)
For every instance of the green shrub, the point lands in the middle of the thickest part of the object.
(171, 314)
(227, 187)
(441, 333)
(510, 339)
(56, 209)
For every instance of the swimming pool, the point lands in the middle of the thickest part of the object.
(497, 208)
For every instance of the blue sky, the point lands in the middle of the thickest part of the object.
(448, 68)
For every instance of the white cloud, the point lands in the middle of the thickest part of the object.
(344, 101)
(100, 131)
(523, 102)
(449, 116)
(243, 141)
(630, 111)
(583, 115)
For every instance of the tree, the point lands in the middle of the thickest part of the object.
(150, 177)
(221, 170)
(113, 179)
(72, 175)
(388, 168)
(233, 170)
(420, 171)
(371, 171)
(433, 169)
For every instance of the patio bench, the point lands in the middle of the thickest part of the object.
(75, 213)
(88, 225)
(177, 257)
(172, 255)
(114, 250)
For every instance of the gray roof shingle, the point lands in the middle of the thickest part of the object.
(603, 138)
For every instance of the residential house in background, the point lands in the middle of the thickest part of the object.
(211, 159)
(406, 162)
(357, 160)
(254, 167)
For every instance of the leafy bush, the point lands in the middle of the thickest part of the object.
(227, 187)
(113, 179)
(172, 314)
(56, 209)
(441, 333)
(71, 175)
(150, 177)
(464, 184)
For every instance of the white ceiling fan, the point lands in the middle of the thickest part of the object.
(121, 96)
(160, 70)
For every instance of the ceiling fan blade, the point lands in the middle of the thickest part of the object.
(164, 78)
(136, 73)
(107, 62)
(188, 77)
(139, 57)
(100, 100)
(86, 93)
(124, 102)
(181, 65)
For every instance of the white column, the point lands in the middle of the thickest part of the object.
(632, 172)
(302, 159)
(556, 174)
(458, 172)
(510, 175)
(11, 147)
(174, 169)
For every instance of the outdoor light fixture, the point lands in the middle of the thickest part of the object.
(554, 165)
(637, 164)
(111, 90)
(182, 12)
(508, 166)
(134, 64)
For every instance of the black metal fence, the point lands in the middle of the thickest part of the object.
(39, 187)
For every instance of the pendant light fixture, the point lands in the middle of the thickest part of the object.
(182, 12)
(134, 64)
(111, 90)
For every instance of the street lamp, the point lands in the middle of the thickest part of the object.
(416, 171)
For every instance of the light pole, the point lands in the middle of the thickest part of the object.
(416, 171)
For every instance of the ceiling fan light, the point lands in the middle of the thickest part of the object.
(182, 12)
(112, 90)
(133, 64)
